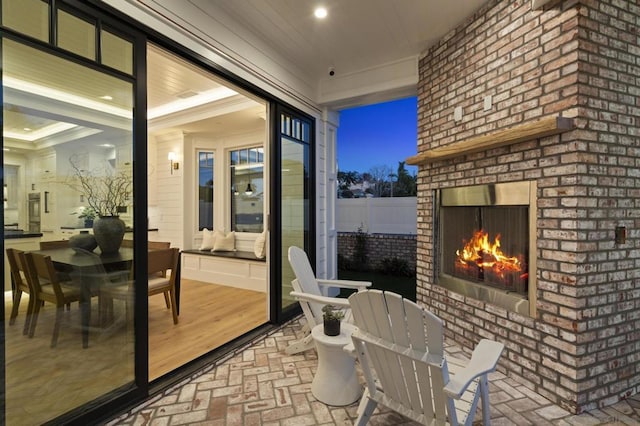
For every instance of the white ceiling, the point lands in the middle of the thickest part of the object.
(356, 35)
(44, 107)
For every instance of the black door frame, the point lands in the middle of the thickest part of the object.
(141, 35)
(278, 314)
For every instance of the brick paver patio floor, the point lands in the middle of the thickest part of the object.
(260, 384)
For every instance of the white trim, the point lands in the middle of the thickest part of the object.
(238, 273)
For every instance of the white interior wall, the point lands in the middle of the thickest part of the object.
(220, 146)
(245, 57)
(168, 212)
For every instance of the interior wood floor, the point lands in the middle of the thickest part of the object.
(209, 318)
(44, 382)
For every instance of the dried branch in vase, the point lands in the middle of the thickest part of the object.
(104, 189)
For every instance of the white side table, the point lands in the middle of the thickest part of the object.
(335, 382)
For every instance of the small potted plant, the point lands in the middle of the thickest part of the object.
(331, 317)
(88, 214)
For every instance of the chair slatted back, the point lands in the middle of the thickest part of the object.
(17, 269)
(40, 271)
(162, 260)
(394, 337)
(305, 276)
(156, 245)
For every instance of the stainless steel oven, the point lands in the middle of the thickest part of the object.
(34, 212)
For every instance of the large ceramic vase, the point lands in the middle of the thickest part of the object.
(109, 232)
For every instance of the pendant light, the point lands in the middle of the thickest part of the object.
(248, 191)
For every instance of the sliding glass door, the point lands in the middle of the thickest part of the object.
(68, 91)
(295, 206)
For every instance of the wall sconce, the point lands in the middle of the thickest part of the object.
(172, 159)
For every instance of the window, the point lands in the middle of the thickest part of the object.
(205, 190)
(247, 190)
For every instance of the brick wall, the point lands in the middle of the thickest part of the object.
(578, 59)
(379, 247)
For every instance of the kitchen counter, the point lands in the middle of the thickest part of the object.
(21, 234)
(81, 228)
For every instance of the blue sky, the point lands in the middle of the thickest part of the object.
(380, 134)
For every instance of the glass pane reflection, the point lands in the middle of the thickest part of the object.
(53, 111)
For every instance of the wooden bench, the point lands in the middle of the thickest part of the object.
(240, 269)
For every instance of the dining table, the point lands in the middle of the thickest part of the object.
(85, 264)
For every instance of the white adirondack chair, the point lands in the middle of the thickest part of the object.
(312, 293)
(401, 350)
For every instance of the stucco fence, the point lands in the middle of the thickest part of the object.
(387, 227)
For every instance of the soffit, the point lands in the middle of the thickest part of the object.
(357, 34)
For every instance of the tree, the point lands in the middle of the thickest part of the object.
(406, 185)
(379, 175)
(345, 180)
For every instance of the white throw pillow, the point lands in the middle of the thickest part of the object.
(260, 246)
(208, 239)
(225, 242)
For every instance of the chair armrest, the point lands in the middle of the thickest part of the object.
(358, 285)
(484, 359)
(324, 300)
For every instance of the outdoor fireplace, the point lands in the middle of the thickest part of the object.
(486, 243)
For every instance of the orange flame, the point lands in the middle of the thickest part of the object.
(486, 255)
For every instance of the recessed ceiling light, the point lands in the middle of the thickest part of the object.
(26, 129)
(320, 12)
(107, 97)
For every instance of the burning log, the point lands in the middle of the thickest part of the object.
(483, 261)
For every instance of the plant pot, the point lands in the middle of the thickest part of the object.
(332, 327)
(88, 223)
(109, 232)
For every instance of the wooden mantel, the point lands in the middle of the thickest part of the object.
(522, 132)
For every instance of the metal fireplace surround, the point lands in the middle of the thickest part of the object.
(503, 217)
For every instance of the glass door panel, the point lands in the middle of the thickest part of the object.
(62, 119)
(295, 195)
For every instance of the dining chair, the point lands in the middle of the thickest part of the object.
(157, 245)
(158, 261)
(152, 245)
(20, 285)
(63, 276)
(47, 245)
(100, 282)
(40, 271)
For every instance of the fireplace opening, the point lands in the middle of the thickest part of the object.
(485, 243)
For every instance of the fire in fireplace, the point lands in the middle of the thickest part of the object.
(482, 260)
(486, 236)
